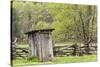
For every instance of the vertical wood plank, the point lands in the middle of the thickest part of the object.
(32, 47)
(40, 45)
(50, 45)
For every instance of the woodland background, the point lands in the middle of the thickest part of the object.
(72, 23)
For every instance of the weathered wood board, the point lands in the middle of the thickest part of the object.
(40, 44)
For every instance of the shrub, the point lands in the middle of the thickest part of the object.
(33, 58)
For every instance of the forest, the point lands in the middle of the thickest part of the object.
(73, 23)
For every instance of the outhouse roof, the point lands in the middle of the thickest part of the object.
(38, 30)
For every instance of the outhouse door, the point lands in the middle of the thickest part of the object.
(46, 47)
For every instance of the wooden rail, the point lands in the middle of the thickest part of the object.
(73, 50)
(59, 51)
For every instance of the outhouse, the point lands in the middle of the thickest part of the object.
(40, 44)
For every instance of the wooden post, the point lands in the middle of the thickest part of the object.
(76, 51)
(13, 49)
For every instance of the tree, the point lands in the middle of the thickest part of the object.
(74, 23)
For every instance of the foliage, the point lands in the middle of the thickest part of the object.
(74, 23)
(42, 25)
(33, 58)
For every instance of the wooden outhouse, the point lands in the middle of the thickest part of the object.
(40, 44)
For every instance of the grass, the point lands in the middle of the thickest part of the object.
(75, 59)
(56, 60)
(23, 45)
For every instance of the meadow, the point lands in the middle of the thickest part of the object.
(56, 60)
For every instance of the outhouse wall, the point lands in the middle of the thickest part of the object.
(40, 44)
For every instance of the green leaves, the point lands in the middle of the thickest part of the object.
(65, 18)
(42, 25)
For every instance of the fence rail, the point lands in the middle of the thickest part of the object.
(73, 50)
(59, 51)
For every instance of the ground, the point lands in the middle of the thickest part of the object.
(56, 60)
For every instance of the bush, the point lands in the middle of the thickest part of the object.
(33, 58)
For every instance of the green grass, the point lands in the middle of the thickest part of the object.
(23, 45)
(75, 59)
(57, 60)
